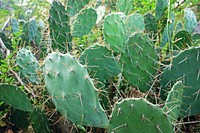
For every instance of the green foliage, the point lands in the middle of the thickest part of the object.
(190, 20)
(160, 8)
(15, 97)
(68, 82)
(138, 115)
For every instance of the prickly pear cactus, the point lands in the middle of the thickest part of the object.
(186, 67)
(160, 8)
(114, 32)
(168, 31)
(190, 20)
(174, 101)
(72, 90)
(74, 6)
(139, 61)
(134, 23)
(39, 121)
(32, 30)
(138, 116)
(124, 6)
(182, 40)
(28, 65)
(15, 97)
(84, 22)
(59, 27)
(101, 61)
(150, 23)
(179, 26)
(14, 25)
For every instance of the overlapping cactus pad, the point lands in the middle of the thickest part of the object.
(186, 67)
(139, 61)
(138, 116)
(28, 65)
(101, 61)
(84, 22)
(72, 90)
(59, 26)
(15, 97)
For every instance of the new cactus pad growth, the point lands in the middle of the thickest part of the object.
(190, 20)
(186, 67)
(139, 61)
(73, 91)
(138, 116)
(174, 101)
(28, 65)
(15, 97)
(101, 61)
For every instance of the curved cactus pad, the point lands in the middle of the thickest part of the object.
(114, 32)
(15, 97)
(190, 20)
(139, 61)
(101, 61)
(138, 116)
(73, 91)
(186, 67)
(84, 22)
(28, 65)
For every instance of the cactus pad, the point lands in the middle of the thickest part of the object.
(124, 6)
(72, 90)
(101, 61)
(84, 22)
(186, 67)
(134, 23)
(28, 65)
(15, 97)
(150, 23)
(114, 32)
(138, 116)
(74, 6)
(190, 20)
(39, 121)
(139, 61)
(182, 40)
(59, 26)
(174, 101)
(160, 8)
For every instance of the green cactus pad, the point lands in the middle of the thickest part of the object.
(73, 91)
(139, 61)
(179, 26)
(160, 8)
(101, 61)
(15, 97)
(39, 121)
(74, 6)
(114, 32)
(14, 25)
(32, 30)
(182, 40)
(134, 23)
(174, 101)
(28, 65)
(150, 23)
(186, 67)
(59, 26)
(124, 6)
(138, 116)
(84, 22)
(168, 32)
(190, 20)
